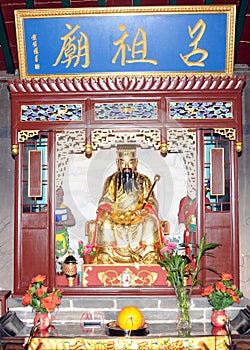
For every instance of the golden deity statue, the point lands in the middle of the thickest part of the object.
(127, 228)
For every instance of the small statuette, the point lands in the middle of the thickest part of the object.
(126, 279)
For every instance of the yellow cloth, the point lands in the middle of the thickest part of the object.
(131, 343)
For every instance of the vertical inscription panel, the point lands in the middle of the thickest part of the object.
(217, 171)
(35, 174)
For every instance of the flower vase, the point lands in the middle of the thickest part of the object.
(218, 318)
(42, 320)
(87, 259)
(219, 331)
(183, 318)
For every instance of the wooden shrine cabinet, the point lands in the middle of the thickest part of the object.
(59, 128)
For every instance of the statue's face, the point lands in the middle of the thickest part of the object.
(59, 199)
(127, 164)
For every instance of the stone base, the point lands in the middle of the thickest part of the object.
(128, 275)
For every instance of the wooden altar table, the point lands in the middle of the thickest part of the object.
(74, 336)
(132, 343)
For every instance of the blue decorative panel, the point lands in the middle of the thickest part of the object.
(200, 110)
(51, 113)
(126, 41)
(126, 111)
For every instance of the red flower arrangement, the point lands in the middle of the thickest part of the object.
(38, 297)
(223, 293)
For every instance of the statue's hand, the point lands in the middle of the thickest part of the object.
(129, 217)
(138, 216)
(105, 215)
(119, 217)
(143, 212)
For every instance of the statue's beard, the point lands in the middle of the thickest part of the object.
(127, 179)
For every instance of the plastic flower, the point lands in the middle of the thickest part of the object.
(38, 278)
(26, 299)
(40, 291)
(85, 249)
(167, 246)
(50, 301)
(223, 293)
(38, 297)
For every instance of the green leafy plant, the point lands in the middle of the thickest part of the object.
(178, 266)
(179, 269)
(223, 293)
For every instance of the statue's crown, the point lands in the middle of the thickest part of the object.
(59, 190)
(124, 151)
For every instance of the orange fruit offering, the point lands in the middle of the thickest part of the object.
(130, 318)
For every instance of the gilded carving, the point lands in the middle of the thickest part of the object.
(85, 274)
(112, 278)
(106, 137)
(229, 133)
(24, 135)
